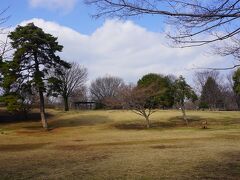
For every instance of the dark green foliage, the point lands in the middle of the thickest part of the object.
(34, 56)
(182, 92)
(211, 95)
(236, 86)
(54, 86)
(162, 85)
(236, 81)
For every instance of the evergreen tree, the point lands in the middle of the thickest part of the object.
(211, 95)
(236, 86)
(162, 86)
(183, 92)
(34, 56)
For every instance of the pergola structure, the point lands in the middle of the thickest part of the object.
(85, 105)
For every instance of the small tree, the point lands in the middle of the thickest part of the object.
(34, 56)
(183, 92)
(68, 82)
(139, 100)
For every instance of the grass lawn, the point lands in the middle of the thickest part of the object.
(116, 145)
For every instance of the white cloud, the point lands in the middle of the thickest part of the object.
(66, 5)
(126, 50)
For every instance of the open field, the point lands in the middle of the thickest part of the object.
(116, 145)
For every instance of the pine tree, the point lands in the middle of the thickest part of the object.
(34, 56)
(182, 92)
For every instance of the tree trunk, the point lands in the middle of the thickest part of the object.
(148, 121)
(42, 110)
(184, 115)
(66, 107)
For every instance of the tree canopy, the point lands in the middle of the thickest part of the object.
(33, 58)
(162, 86)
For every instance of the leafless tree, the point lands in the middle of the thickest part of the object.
(200, 78)
(227, 97)
(71, 80)
(230, 99)
(191, 19)
(103, 89)
(79, 94)
(138, 100)
(5, 46)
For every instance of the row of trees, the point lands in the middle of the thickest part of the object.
(36, 71)
(154, 91)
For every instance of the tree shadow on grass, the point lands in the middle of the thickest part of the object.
(226, 167)
(142, 126)
(21, 147)
(170, 123)
(82, 120)
(6, 117)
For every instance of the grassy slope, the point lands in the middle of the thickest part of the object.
(107, 144)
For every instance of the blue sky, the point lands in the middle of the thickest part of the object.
(79, 17)
(128, 49)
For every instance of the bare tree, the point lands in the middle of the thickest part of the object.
(192, 19)
(5, 46)
(139, 100)
(103, 89)
(68, 82)
(200, 78)
(79, 94)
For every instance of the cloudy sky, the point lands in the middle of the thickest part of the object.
(128, 49)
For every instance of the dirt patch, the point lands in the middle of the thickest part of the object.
(71, 147)
(98, 157)
(21, 147)
(76, 147)
(78, 140)
(167, 147)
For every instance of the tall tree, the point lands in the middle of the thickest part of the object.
(4, 45)
(236, 85)
(194, 22)
(34, 56)
(68, 82)
(211, 95)
(200, 78)
(183, 92)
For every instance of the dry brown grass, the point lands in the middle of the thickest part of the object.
(116, 145)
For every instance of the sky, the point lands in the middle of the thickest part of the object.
(125, 48)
